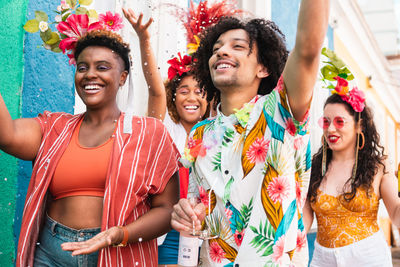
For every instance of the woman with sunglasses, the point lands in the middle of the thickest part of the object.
(349, 175)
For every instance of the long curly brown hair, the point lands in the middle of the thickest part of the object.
(370, 158)
(170, 88)
(272, 52)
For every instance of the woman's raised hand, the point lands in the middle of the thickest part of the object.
(136, 22)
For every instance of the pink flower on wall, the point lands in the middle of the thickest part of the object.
(301, 240)
(74, 27)
(278, 189)
(216, 252)
(258, 150)
(238, 237)
(278, 249)
(110, 21)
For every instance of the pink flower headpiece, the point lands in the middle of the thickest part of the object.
(179, 65)
(73, 20)
(354, 97)
(336, 71)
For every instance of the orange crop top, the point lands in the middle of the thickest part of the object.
(81, 171)
(341, 222)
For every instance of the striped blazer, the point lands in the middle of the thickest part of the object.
(141, 164)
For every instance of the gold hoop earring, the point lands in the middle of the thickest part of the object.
(363, 141)
(354, 172)
(324, 152)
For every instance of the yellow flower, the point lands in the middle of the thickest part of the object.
(243, 114)
(192, 48)
(187, 159)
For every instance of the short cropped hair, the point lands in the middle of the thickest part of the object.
(107, 39)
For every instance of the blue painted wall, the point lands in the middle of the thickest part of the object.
(48, 85)
(285, 13)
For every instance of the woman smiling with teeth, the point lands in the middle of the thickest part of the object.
(349, 175)
(103, 182)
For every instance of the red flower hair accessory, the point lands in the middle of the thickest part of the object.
(179, 65)
(72, 21)
(336, 71)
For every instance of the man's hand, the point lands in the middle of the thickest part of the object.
(187, 215)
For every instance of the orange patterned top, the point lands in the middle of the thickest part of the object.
(342, 222)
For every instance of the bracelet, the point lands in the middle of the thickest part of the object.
(125, 238)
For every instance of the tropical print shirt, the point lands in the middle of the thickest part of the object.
(251, 170)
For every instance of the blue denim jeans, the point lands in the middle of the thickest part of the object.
(48, 251)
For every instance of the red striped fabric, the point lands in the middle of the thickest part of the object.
(141, 164)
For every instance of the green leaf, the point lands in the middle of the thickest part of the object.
(329, 72)
(85, 2)
(65, 14)
(228, 137)
(81, 10)
(31, 26)
(71, 3)
(54, 38)
(93, 14)
(253, 229)
(46, 36)
(268, 251)
(55, 47)
(41, 16)
(336, 61)
(217, 162)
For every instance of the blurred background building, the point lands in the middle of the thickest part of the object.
(364, 33)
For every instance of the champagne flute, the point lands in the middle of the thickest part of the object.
(206, 233)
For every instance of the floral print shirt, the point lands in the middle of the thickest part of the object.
(251, 170)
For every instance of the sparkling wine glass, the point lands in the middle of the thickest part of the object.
(206, 233)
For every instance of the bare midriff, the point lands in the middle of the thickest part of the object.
(77, 212)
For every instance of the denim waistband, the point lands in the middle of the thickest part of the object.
(68, 232)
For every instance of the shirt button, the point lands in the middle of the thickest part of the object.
(226, 172)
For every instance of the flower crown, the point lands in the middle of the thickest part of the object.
(195, 20)
(336, 76)
(72, 21)
(179, 65)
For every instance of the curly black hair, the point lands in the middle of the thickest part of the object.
(107, 39)
(370, 158)
(170, 88)
(272, 52)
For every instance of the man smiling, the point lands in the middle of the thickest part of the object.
(250, 165)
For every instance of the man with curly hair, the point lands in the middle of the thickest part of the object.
(250, 164)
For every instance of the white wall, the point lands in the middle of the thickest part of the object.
(168, 38)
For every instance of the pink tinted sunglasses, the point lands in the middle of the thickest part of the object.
(338, 122)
